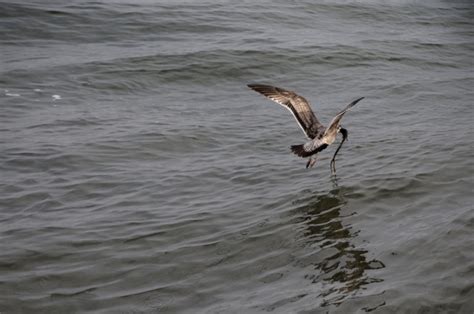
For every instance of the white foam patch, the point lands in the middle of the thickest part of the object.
(56, 97)
(12, 94)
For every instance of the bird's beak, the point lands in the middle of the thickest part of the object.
(344, 134)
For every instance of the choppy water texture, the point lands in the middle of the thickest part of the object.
(140, 174)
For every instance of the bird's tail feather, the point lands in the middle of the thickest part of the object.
(300, 151)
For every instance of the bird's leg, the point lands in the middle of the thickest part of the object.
(311, 162)
(333, 160)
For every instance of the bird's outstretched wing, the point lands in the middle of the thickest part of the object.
(299, 107)
(335, 121)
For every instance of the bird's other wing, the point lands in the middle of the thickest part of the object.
(335, 121)
(299, 107)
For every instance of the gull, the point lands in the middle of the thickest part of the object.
(320, 137)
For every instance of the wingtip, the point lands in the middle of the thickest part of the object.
(260, 88)
(356, 101)
(254, 86)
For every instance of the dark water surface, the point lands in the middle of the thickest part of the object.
(140, 174)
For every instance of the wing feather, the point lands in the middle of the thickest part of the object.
(336, 120)
(298, 106)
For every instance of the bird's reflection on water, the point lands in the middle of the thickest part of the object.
(341, 266)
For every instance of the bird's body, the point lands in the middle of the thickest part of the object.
(320, 137)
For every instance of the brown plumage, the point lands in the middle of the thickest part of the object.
(320, 136)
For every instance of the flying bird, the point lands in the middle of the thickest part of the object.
(319, 136)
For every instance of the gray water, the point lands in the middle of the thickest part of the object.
(140, 174)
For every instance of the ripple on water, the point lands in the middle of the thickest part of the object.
(159, 183)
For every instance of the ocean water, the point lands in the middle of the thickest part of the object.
(139, 174)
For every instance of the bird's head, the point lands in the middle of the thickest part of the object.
(344, 133)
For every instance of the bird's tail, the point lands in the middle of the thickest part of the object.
(300, 151)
